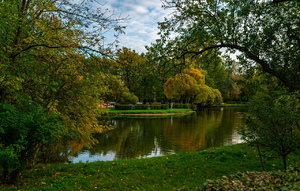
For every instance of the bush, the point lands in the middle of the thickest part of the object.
(141, 107)
(194, 107)
(185, 105)
(123, 107)
(177, 105)
(23, 130)
(273, 123)
(155, 107)
(164, 106)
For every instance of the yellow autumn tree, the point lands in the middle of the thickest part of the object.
(190, 85)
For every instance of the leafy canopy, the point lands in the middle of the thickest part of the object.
(265, 32)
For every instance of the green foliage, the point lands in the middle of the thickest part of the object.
(155, 107)
(23, 130)
(266, 33)
(141, 107)
(190, 85)
(164, 106)
(274, 122)
(46, 53)
(123, 107)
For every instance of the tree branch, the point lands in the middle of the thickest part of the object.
(250, 55)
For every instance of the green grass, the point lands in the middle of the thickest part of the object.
(183, 171)
(148, 111)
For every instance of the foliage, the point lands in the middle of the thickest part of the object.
(181, 171)
(266, 33)
(124, 107)
(274, 123)
(23, 130)
(190, 85)
(257, 181)
(46, 52)
(118, 91)
(141, 107)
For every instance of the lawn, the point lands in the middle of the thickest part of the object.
(182, 171)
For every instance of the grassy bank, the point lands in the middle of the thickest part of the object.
(185, 171)
(113, 111)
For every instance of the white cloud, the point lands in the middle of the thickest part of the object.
(141, 27)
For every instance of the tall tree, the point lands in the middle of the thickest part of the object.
(265, 32)
(43, 49)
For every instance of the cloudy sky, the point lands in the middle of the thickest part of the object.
(141, 26)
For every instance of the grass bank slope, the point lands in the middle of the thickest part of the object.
(183, 171)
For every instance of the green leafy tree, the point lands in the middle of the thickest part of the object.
(44, 46)
(118, 91)
(191, 85)
(24, 129)
(266, 33)
(274, 124)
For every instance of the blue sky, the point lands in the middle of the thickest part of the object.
(141, 26)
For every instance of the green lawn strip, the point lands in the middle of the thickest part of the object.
(179, 171)
(149, 111)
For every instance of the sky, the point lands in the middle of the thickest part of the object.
(141, 25)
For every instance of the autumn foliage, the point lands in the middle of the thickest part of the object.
(190, 85)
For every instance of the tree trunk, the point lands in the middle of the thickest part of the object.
(284, 163)
(261, 159)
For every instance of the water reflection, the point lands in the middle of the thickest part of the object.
(147, 137)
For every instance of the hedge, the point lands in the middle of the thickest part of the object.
(123, 107)
(141, 107)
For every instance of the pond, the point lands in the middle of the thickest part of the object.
(149, 137)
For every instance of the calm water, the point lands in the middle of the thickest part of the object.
(148, 137)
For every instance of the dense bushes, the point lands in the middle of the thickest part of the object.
(123, 107)
(23, 130)
(141, 107)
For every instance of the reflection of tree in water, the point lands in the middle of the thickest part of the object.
(131, 138)
(202, 130)
(140, 137)
(60, 151)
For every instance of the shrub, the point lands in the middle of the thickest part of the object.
(194, 107)
(164, 106)
(123, 107)
(141, 107)
(177, 105)
(155, 107)
(273, 123)
(23, 130)
(185, 106)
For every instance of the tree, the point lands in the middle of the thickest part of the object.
(118, 91)
(265, 32)
(46, 46)
(190, 85)
(274, 124)
(23, 130)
